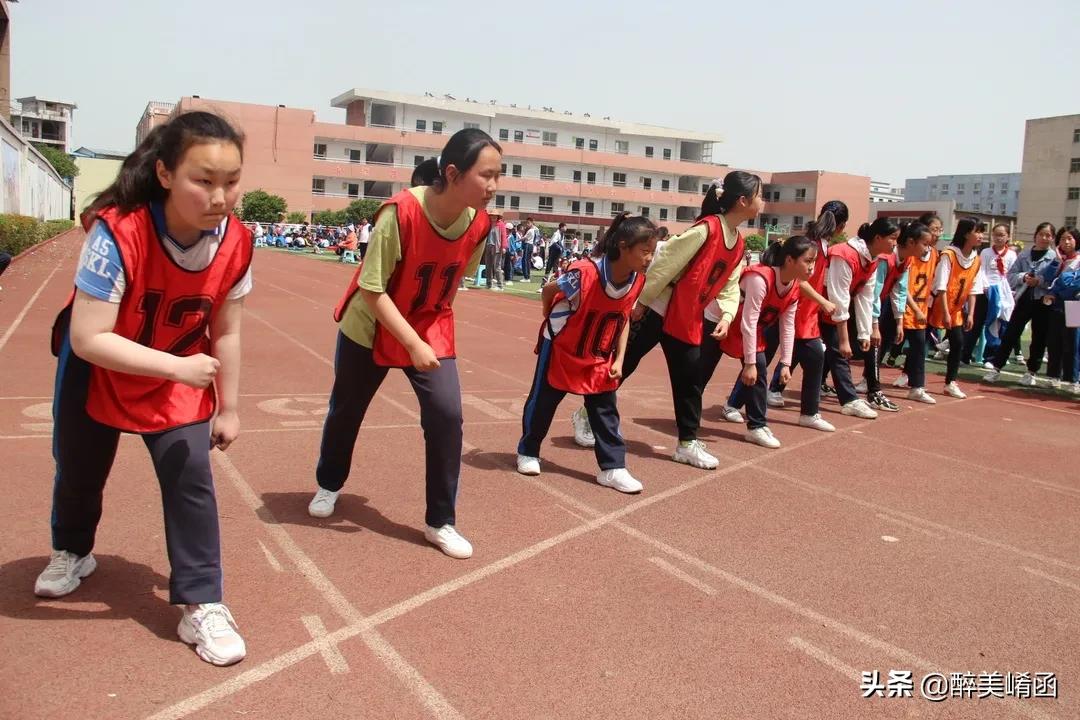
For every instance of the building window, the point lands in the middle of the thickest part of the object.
(575, 207)
(503, 170)
(665, 185)
(945, 188)
(417, 159)
(1076, 135)
(504, 134)
(667, 153)
(550, 139)
(500, 201)
(643, 211)
(515, 202)
(590, 178)
(1074, 193)
(519, 136)
(354, 190)
(577, 176)
(750, 222)
(960, 186)
(547, 172)
(978, 187)
(616, 208)
(517, 171)
(579, 143)
(421, 126)
(618, 179)
(1001, 207)
(933, 188)
(978, 206)
(797, 221)
(593, 145)
(960, 190)
(704, 188)
(472, 126)
(590, 208)
(648, 151)
(800, 196)
(436, 127)
(663, 213)
(646, 183)
(547, 203)
(318, 186)
(320, 150)
(1070, 221)
(1004, 186)
(356, 156)
(622, 147)
(776, 196)
(991, 187)
(26, 127)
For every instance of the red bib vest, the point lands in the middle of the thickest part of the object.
(703, 278)
(583, 351)
(895, 270)
(806, 315)
(424, 282)
(772, 307)
(859, 275)
(167, 308)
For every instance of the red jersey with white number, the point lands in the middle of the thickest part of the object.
(806, 315)
(583, 351)
(860, 274)
(424, 282)
(896, 268)
(168, 308)
(701, 281)
(773, 306)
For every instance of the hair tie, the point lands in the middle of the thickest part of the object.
(438, 163)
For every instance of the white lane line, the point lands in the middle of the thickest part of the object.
(685, 577)
(26, 308)
(273, 561)
(333, 658)
(823, 657)
(910, 526)
(1052, 578)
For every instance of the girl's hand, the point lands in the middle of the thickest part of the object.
(920, 316)
(637, 313)
(875, 336)
(900, 332)
(423, 357)
(196, 371)
(845, 349)
(615, 371)
(828, 307)
(721, 330)
(864, 345)
(225, 430)
(969, 322)
(749, 375)
(785, 375)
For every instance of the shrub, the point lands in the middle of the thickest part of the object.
(19, 232)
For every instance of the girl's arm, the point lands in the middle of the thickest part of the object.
(547, 297)
(754, 289)
(941, 289)
(387, 315)
(225, 344)
(807, 290)
(616, 366)
(676, 254)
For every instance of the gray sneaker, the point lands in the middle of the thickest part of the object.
(64, 573)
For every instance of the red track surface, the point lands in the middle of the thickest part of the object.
(939, 539)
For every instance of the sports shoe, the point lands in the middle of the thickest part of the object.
(211, 629)
(828, 390)
(528, 465)
(64, 573)
(878, 401)
(901, 381)
(763, 436)
(890, 360)
(449, 541)
(732, 415)
(859, 408)
(774, 399)
(940, 354)
(861, 387)
(1028, 380)
(1019, 359)
(1054, 383)
(1075, 388)
(322, 505)
(509, 282)
(953, 390)
(920, 395)
(619, 479)
(692, 452)
(582, 430)
(816, 422)
(943, 346)
(992, 375)
(989, 366)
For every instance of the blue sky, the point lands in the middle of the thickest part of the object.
(891, 90)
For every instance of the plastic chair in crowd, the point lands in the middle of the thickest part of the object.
(479, 274)
(348, 256)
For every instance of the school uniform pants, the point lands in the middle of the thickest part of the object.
(554, 256)
(526, 261)
(84, 450)
(493, 265)
(839, 365)
(810, 353)
(955, 336)
(875, 356)
(754, 398)
(1061, 343)
(1027, 309)
(974, 336)
(610, 449)
(356, 380)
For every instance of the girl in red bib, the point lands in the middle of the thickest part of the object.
(583, 344)
(398, 313)
(149, 343)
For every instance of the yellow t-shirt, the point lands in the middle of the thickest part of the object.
(382, 258)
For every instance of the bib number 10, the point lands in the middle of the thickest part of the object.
(600, 337)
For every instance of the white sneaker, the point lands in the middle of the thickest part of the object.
(861, 388)
(901, 381)
(859, 408)
(211, 629)
(943, 346)
(528, 465)
(449, 541)
(920, 395)
(1028, 380)
(989, 366)
(1055, 383)
(816, 422)
(582, 430)
(940, 354)
(953, 390)
(1075, 388)
(322, 505)
(64, 573)
(992, 375)
(774, 400)
(620, 479)
(732, 415)
(509, 282)
(763, 436)
(693, 453)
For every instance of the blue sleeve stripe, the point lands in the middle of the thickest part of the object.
(100, 265)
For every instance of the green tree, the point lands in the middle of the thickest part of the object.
(261, 206)
(297, 217)
(62, 162)
(330, 217)
(364, 208)
(756, 243)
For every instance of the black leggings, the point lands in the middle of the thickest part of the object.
(955, 336)
(915, 360)
(754, 398)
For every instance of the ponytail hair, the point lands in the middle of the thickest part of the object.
(630, 230)
(137, 183)
(462, 151)
(883, 226)
(833, 215)
(794, 247)
(722, 195)
(910, 232)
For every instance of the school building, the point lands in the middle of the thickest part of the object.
(1051, 174)
(559, 166)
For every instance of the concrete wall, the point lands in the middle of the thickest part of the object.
(95, 174)
(30, 185)
(1048, 153)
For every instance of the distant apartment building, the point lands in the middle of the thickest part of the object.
(43, 121)
(155, 113)
(885, 192)
(994, 193)
(558, 166)
(1051, 174)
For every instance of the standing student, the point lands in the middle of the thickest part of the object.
(583, 344)
(398, 312)
(493, 252)
(149, 343)
(1025, 279)
(1061, 339)
(956, 282)
(770, 297)
(555, 252)
(994, 305)
(921, 267)
(695, 267)
(363, 236)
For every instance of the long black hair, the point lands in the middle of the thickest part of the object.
(137, 182)
(462, 151)
(833, 214)
(882, 226)
(628, 229)
(965, 226)
(722, 196)
(794, 247)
